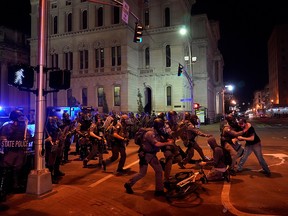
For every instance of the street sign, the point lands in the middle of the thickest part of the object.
(185, 100)
(125, 12)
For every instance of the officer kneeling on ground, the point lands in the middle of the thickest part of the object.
(14, 138)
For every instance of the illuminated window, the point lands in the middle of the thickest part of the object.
(117, 99)
(169, 95)
(100, 97)
(99, 57)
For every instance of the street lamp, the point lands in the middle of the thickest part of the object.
(227, 88)
(184, 31)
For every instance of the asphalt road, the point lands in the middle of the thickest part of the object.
(90, 191)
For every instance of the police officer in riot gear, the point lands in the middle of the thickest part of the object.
(171, 152)
(82, 129)
(189, 141)
(14, 137)
(151, 144)
(97, 143)
(120, 141)
(54, 148)
(68, 129)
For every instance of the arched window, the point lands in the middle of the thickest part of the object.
(167, 17)
(55, 25)
(100, 16)
(168, 56)
(69, 22)
(147, 57)
(116, 15)
(169, 95)
(84, 19)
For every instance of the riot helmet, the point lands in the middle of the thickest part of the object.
(171, 116)
(161, 115)
(65, 116)
(17, 115)
(158, 125)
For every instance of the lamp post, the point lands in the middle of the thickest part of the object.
(183, 31)
(226, 88)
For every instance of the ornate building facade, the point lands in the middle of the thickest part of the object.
(92, 41)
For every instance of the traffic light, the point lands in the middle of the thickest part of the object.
(138, 33)
(180, 69)
(196, 106)
(21, 76)
(59, 79)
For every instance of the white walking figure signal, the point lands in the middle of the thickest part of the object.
(19, 77)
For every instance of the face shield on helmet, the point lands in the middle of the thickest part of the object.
(53, 120)
(172, 116)
(17, 115)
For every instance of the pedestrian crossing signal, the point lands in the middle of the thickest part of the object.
(60, 79)
(21, 76)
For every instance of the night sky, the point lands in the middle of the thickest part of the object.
(245, 28)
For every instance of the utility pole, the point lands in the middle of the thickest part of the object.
(39, 179)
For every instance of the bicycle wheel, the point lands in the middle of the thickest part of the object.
(181, 192)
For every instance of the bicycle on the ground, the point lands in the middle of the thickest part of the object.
(185, 183)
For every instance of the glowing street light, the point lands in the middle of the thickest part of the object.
(183, 31)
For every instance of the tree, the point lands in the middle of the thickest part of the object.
(105, 105)
(139, 102)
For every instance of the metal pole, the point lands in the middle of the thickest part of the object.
(40, 100)
(191, 75)
(39, 179)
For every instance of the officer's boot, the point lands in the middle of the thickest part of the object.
(3, 184)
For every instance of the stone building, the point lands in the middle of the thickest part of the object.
(14, 49)
(92, 41)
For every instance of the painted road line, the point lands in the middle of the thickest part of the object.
(110, 175)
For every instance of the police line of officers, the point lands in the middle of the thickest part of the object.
(95, 135)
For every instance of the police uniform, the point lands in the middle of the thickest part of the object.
(53, 148)
(119, 142)
(147, 155)
(14, 137)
